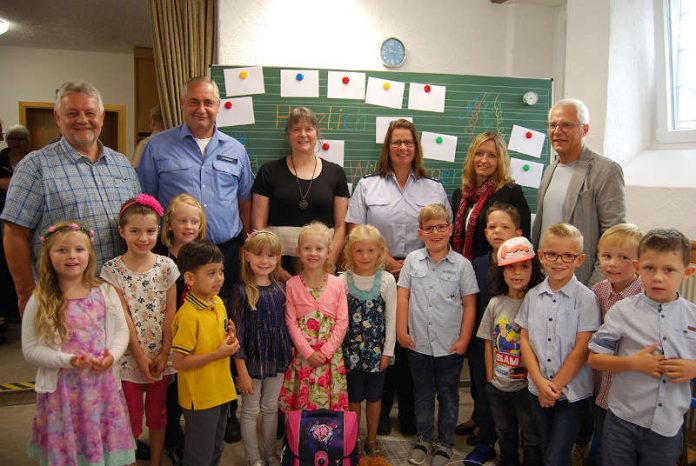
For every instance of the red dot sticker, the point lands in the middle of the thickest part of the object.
(228, 105)
(528, 135)
(346, 80)
(427, 88)
(325, 146)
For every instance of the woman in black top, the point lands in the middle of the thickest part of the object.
(300, 188)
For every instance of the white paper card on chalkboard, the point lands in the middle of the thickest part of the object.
(427, 97)
(385, 93)
(526, 173)
(345, 85)
(240, 112)
(382, 125)
(299, 83)
(526, 141)
(439, 146)
(331, 150)
(244, 81)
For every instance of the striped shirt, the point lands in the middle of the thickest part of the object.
(58, 183)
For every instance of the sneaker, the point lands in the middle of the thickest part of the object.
(233, 432)
(580, 454)
(465, 428)
(384, 427)
(441, 457)
(480, 454)
(419, 453)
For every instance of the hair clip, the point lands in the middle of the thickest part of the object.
(53, 229)
(146, 200)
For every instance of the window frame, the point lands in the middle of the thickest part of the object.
(664, 134)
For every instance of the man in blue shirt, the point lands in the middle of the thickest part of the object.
(198, 159)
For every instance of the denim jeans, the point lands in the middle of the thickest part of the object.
(625, 444)
(512, 413)
(482, 409)
(599, 415)
(558, 427)
(436, 376)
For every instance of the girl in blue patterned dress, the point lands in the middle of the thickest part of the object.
(369, 344)
(258, 308)
(74, 328)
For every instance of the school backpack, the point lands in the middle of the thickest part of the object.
(321, 438)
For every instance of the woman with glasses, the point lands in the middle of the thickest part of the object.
(300, 188)
(390, 199)
(486, 182)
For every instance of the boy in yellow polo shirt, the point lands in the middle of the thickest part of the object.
(202, 344)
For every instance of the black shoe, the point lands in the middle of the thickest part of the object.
(280, 431)
(465, 428)
(472, 439)
(384, 427)
(142, 450)
(233, 432)
(176, 455)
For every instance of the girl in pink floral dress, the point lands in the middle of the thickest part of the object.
(317, 320)
(74, 329)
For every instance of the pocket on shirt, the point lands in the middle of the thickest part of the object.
(450, 285)
(173, 166)
(227, 173)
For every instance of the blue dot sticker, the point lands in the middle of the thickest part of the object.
(299, 76)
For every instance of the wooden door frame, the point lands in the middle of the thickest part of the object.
(119, 109)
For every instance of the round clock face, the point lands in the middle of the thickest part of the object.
(530, 98)
(392, 52)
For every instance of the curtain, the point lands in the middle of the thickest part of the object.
(183, 33)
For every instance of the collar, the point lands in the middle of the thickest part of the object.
(567, 290)
(660, 306)
(411, 177)
(76, 156)
(423, 254)
(635, 285)
(185, 132)
(198, 303)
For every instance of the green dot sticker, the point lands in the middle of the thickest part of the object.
(438, 139)
(525, 167)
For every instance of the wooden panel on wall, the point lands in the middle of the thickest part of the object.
(146, 95)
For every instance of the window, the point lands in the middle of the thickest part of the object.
(677, 101)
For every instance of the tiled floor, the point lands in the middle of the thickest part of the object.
(18, 418)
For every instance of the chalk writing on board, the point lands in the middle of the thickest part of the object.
(499, 120)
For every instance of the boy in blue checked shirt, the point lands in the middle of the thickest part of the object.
(648, 342)
(436, 308)
(557, 318)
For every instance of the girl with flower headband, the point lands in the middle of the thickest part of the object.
(74, 329)
(258, 305)
(147, 284)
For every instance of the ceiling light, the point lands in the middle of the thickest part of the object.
(4, 26)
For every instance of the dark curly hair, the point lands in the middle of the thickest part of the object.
(498, 285)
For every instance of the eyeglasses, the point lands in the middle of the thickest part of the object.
(565, 257)
(442, 228)
(564, 125)
(407, 142)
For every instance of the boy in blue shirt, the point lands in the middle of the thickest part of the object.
(557, 318)
(648, 342)
(436, 308)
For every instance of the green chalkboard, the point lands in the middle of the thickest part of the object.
(473, 104)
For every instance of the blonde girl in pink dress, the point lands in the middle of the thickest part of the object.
(74, 329)
(317, 320)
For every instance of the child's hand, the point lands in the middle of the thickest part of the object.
(80, 361)
(548, 393)
(678, 370)
(145, 366)
(158, 365)
(231, 329)
(317, 359)
(245, 384)
(458, 347)
(647, 362)
(406, 341)
(229, 346)
(103, 363)
(384, 362)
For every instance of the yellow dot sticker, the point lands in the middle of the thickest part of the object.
(386, 86)
(243, 74)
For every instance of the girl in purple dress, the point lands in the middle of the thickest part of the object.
(74, 329)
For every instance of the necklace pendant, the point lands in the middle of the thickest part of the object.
(303, 204)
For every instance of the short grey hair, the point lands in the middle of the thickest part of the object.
(582, 110)
(18, 131)
(81, 87)
(199, 79)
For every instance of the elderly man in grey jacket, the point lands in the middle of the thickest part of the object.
(579, 187)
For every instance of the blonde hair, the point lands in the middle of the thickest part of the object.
(562, 230)
(364, 233)
(50, 321)
(257, 243)
(501, 177)
(166, 235)
(319, 229)
(624, 235)
(431, 212)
